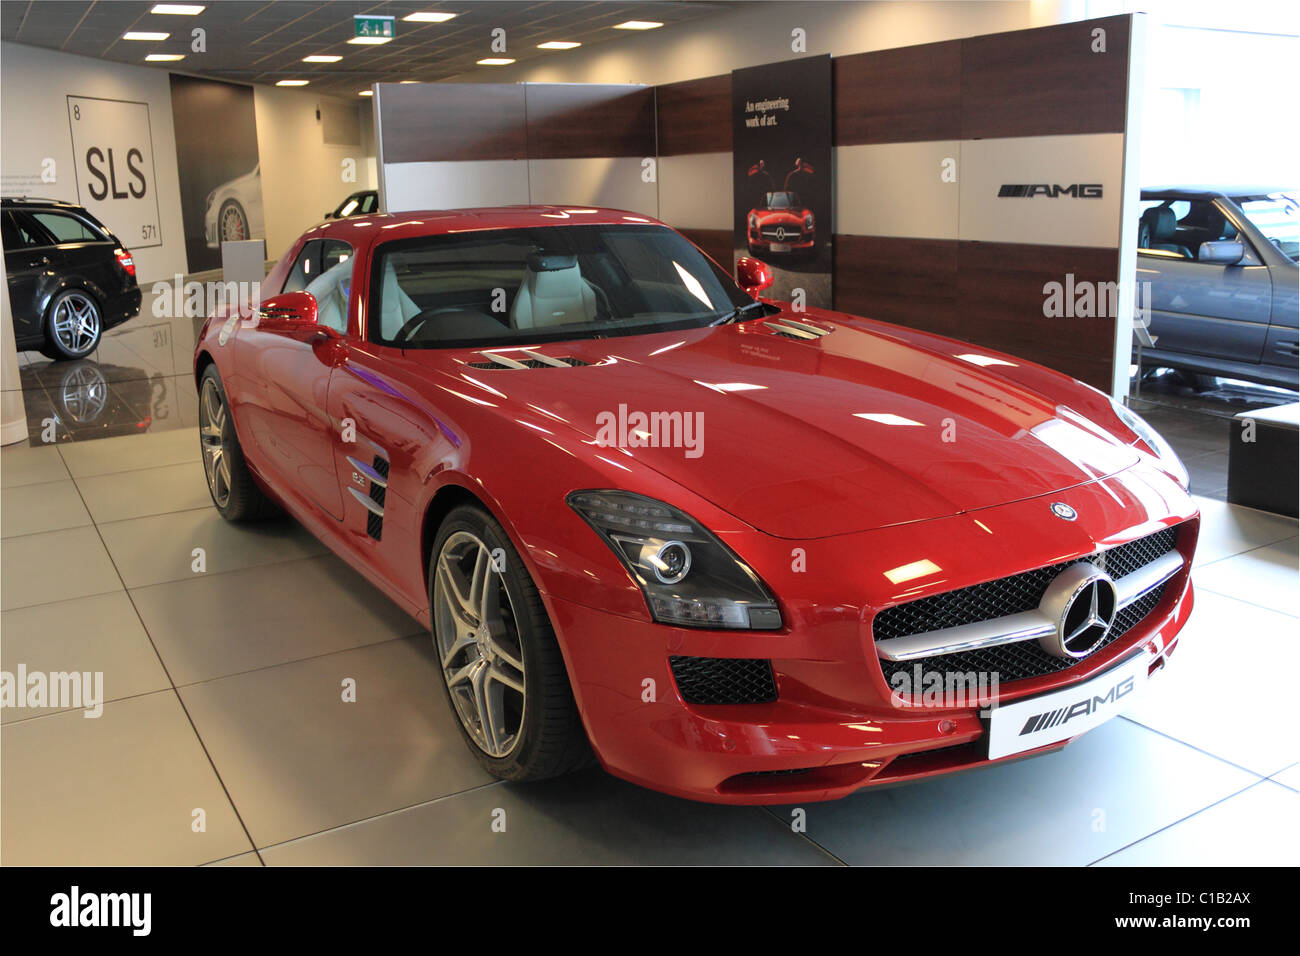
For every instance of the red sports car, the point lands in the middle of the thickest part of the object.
(738, 553)
(781, 224)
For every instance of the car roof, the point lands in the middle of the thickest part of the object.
(432, 222)
(1201, 191)
(37, 201)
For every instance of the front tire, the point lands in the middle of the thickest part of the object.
(498, 658)
(74, 326)
(231, 484)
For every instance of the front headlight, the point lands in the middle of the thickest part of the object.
(753, 222)
(689, 577)
(808, 221)
(1155, 442)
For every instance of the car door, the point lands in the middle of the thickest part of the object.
(1203, 308)
(29, 257)
(285, 379)
(84, 255)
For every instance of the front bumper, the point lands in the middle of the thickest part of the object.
(834, 726)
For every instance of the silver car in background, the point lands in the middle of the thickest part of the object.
(1223, 282)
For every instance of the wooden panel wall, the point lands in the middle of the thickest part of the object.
(694, 116)
(579, 120)
(427, 122)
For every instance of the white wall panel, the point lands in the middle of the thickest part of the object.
(987, 164)
(695, 190)
(36, 128)
(601, 181)
(453, 185)
(895, 189)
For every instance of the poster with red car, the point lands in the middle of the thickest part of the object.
(781, 151)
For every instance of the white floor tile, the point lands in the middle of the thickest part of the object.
(1259, 827)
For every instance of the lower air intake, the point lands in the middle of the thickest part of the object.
(724, 680)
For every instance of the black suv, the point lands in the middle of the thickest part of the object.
(69, 277)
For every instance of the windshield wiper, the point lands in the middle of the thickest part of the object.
(738, 313)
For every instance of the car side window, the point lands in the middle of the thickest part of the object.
(66, 228)
(333, 285)
(305, 268)
(369, 202)
(21, 233)
(1177, 228)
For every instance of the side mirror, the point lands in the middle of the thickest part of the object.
(288, 311)
(753, 275)
(1225, 252)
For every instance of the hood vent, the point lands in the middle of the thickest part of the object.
(792, 329)
(531, 360)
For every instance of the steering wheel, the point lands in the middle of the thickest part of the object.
(410, 325)
(414, 322)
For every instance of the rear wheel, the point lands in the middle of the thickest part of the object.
(230, 483)
(500, 665)
(74, 326)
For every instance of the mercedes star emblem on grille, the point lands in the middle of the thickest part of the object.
(780, 233)
(1062, 510)
(1082, 601)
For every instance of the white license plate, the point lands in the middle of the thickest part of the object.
(780, 247)
(1049, 718)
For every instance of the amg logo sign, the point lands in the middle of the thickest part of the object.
(1075, 190)
(1089, 705)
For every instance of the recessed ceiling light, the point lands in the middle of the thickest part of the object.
(370, 41)
(428, 17)
(365, 93)
(321, 58)
(164, 57)
(558, 45)
(179, 9)
(291, 83)
(142, 35)
(404, 82)
(638, 25)
(496, 61)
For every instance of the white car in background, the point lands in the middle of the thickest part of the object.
(234, 210)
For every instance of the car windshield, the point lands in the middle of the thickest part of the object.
(498, 287)
(1278, 218)
(784, 200)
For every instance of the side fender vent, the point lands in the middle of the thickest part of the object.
(376, 495)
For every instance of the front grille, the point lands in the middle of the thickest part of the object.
(1021, 660)
(790, 234)
(1012, 595)
(724, 680)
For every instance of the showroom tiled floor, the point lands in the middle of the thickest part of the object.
(223, 693)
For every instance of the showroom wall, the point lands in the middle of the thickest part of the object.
(448, 145)
(35, 128)
(759, 33)
(305, 161)
(302, 174)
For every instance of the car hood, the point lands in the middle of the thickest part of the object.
(852, 431)
(780, 215)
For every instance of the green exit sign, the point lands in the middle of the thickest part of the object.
(374, 27)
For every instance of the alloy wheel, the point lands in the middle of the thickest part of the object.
(212, 428)
(76, 323)
(476, 635)
(233, 226)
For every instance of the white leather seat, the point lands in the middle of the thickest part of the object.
(552, 296)
(331, 300)
(397, 308)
